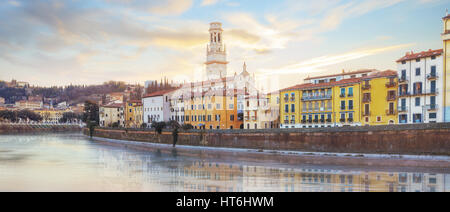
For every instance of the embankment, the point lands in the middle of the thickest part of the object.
(421, 139)
(26, 128)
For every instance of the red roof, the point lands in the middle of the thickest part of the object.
(423, 54)
(113, 105)
(320, 85)
(342, 74)
(159, 93)
(387, 73)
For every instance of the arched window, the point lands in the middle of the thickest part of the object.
(218, 36)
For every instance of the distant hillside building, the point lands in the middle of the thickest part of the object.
(30, 105)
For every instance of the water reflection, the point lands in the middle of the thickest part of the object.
(73, 163)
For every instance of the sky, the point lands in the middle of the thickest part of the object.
(61, 42)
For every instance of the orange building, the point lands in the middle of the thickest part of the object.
(213, 110)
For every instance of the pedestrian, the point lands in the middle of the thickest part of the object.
(175, 136)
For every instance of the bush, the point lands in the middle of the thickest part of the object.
(159, 126)
(115, 125)
(144, 125)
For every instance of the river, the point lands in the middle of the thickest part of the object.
(73, 162)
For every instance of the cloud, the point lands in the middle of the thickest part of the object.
(314, 64)
(160, 7)
(209, 2)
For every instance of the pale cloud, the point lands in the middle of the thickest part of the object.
(316, 64)
(209, 2)
(160, 7)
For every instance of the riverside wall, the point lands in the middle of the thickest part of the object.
(419, 139)
(36, 128)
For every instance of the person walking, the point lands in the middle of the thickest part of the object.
(175, 136)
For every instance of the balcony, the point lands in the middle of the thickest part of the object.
(350, 95)
(404, 94)
(432, 107)
(328, 120)
(390, 112)
(366, 100)
(286, 99)
(366, 87)
(350, 120)
(402, 109)
(318, 97)
(322, 120)
(391, 84)
(432, 76)
(286, 122)
(432, 91)
(292, 121)
(391, 98)
(292, 99)
(402, 80)
(310, 121)
(342, 95)
(342, 120)
(303, 121)
(316, 120)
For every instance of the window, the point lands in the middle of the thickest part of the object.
(293, 108)
(231, 117)
(350, 116)
(403, 62)
(432, 115)
(418, 60)
(350, 91)
(378, 118)
(417, 100)
(350, 104)
(342, 105)
(342, 91)
(417, 71)
(433, 57)
(231, 106)
(433, 71)
(217, 106)
(286, 108)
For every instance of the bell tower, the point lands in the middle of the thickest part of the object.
(216, 55)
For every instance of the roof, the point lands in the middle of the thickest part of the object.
(446, 17)
(343, 74)
(159, 93)
(387, 73)
(321, 85)
(113, 105)
(412, 56)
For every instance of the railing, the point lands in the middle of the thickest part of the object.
(417, 92)
(322, 120)
(391, 98)
(432, 107)
(402, 109)
(366, 87)
(292, 121)
(303, 121)
(366, 100)
(328, 120)
(342, 120)
(432, 91)
(350, 95)
(432, 76)
(401, 94)
(391, 84)
(342, 95)
(390, 112)
(319, 97)
(402, 79)
(350, 120)
(316, 121)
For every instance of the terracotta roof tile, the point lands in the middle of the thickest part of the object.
(413, 56)
(343, 74)
(159, 93)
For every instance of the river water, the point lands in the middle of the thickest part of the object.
(73, 162)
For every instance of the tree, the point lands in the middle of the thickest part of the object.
(29, 115)
(91, 113)
(70, 117)
(187, 127)
(159, 126)
(8, 115)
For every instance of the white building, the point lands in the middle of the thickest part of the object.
(157, 107)
(421, 87)
(176, 99)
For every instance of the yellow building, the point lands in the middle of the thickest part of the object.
(261, 111)
(133, 114)
(213, 110)
(446, 40)
(379, 98)
(364, 97)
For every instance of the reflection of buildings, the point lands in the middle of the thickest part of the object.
(156, 172)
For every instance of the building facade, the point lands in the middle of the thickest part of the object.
(157, 107)
(134, 114)
(421, 89)
(213, 110)
(111, 115)
(379, 98)
(446, 67)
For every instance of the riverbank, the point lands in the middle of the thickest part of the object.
(349, 160)
(421, 139)
(37, 128)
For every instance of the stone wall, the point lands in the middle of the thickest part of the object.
(25, 128)
(423, 139)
